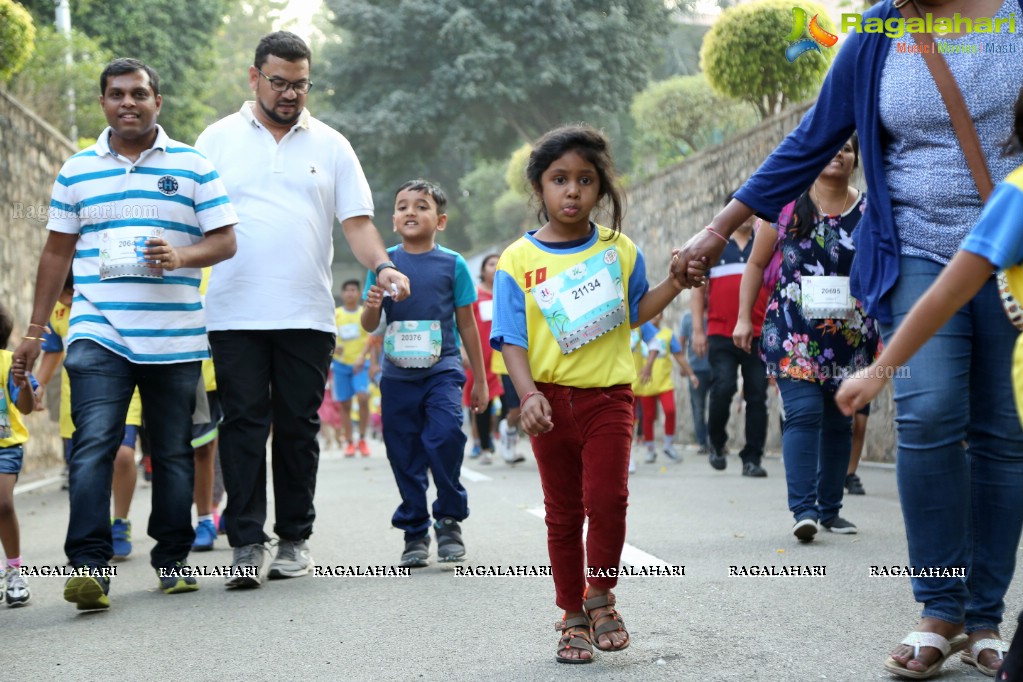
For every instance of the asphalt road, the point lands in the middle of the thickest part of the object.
(702, 626)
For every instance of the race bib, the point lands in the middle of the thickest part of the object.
(486, 310)
(348, 332)
(584, 302)
(122, 253)
(413, 343)
(5, 418)
(827, 298)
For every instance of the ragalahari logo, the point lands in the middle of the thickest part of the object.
(818, 37)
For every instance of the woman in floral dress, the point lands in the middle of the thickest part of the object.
(814, 335)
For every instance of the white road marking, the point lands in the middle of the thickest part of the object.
(631, 555)
(472, 475)
(35, 485)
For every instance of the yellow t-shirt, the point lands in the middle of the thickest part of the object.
(19, 434)
(660, 374)
(350, 335)
(589, 293)
(209, 376)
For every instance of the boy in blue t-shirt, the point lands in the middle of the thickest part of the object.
(421, 386)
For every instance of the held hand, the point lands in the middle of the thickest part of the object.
(536, 416)
(161, 254)
(702, 247)
(359, 364)
(644, 375)
(859, 389)
(394, 283)
(375, 296)
(24, 360)
(480, 397)
(700, 344)
(694, 380)
(742, 336)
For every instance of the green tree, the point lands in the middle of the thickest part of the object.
(743, 55)
(175, 38)
(17, 35)
(681, 115)
(235, 45)
(430, 88)
(43, 84)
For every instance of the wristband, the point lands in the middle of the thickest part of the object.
(716, 234)
(32, 338)
(41, 326)
(528, 396)
(383, 266)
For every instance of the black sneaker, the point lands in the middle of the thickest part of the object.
(417, 553)
(853, 485)
(805, 529)
(753, 470)
(840, 526)
(449, 541)
(717, 460)
(88, 592)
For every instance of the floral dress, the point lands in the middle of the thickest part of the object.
(821, 350)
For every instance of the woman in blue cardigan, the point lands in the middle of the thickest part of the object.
(961, 506)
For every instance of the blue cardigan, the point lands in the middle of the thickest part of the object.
(848, 102)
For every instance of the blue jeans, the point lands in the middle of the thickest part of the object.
(101, 386)
(963, 507)
(815, 446)
(423, 432)
(698, 401)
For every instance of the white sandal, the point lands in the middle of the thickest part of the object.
(947, 647)
(972, 657)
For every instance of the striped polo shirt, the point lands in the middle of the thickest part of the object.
(173, 192)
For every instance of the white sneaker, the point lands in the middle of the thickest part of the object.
(16, 590)
(651, 455)
(632, 464)
(509, 442)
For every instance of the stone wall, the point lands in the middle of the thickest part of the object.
(31, 153)
(669, 208)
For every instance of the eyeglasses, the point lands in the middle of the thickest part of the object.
(281, 85)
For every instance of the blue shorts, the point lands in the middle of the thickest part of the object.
(347, 382)
(510, 399)
(131, 434)
(10, 459)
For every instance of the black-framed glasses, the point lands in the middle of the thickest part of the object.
(281, 85)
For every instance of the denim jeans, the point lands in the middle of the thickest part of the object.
(815, 447)
(963, 507)
(698, 402)
(725, 360)
(101, 386)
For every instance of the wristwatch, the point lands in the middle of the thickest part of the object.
(386, 264)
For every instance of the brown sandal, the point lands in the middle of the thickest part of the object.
(609, 620)
(573, 638)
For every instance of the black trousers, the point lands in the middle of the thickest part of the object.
(725, 359)
(270, 378)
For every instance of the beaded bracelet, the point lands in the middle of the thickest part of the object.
(528, 396)
(716, 234)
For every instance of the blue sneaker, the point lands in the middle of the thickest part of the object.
(177, 578)
(205, 534)
(120, 530)
(476, 451)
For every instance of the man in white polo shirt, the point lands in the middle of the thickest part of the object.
(136, 215)
(270, 309)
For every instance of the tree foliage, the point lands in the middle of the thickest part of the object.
(743, 55)
(17, 36)
(431, 88)
(175, 38)
(681, 115)
(44, 82)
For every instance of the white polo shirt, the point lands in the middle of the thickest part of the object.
(287, 194)
(172, 191)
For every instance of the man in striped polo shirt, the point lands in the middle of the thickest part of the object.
(136, 215)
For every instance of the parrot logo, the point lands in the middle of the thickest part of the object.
(799, 44)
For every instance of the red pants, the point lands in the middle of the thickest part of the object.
(584, 470)
(649, 405)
